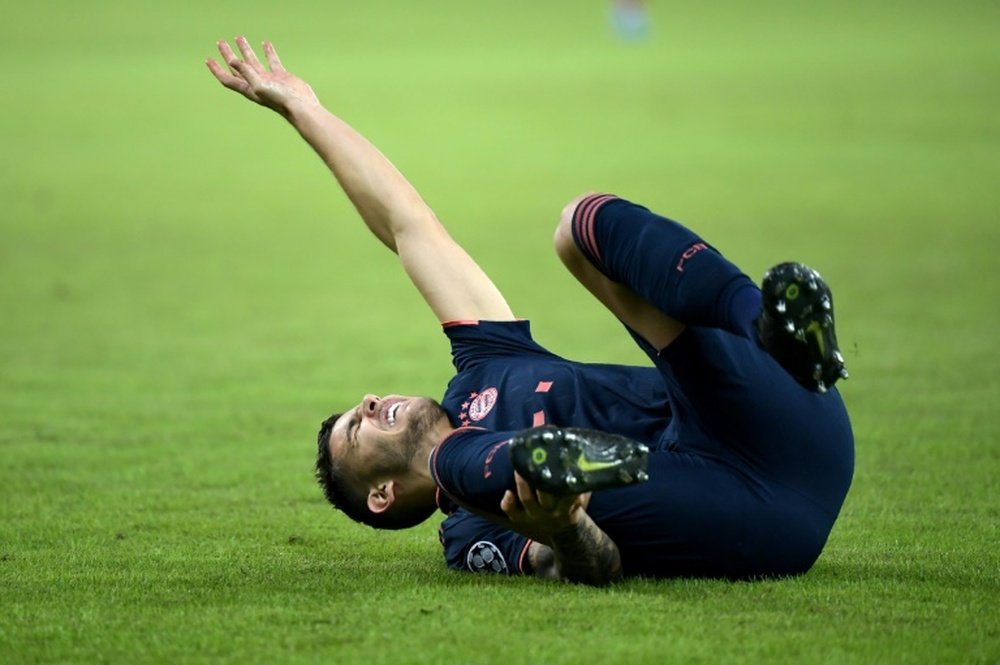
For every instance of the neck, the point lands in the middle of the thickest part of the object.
(421, 480)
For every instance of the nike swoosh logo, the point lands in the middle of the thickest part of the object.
(586, 465)
(817, 332)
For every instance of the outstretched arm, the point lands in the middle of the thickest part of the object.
(577, 550)
(453, 285)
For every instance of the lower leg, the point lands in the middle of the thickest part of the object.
(667, 265)
(658, 329)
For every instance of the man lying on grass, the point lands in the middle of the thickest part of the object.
(730, 457)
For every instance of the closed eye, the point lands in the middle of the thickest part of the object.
(352, 431)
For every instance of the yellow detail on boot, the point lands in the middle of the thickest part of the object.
(586, 465)
(817, 330)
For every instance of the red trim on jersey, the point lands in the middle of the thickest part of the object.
(437, 499)
(524, 553)
(475, 322)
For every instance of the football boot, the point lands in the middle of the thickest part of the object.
(573, 461)
(796, 326)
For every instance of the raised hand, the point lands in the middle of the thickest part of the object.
(455, 288)
(272, 87)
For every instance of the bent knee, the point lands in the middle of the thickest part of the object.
(563, 238)
(566, 218)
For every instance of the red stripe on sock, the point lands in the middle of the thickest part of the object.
(584, 227)
(589, 214)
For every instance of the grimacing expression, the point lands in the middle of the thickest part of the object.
(382, 435)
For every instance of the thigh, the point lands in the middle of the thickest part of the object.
(741, 401)
(697, 516)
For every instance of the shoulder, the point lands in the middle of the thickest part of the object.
(515, 330)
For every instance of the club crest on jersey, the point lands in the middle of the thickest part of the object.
(482, 404)
(485, 557)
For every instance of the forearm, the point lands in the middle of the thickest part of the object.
(583, 554)
(453, 285)
(386, 201)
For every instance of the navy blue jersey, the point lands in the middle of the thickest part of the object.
(748, 469)
(507, 381)
(475, 544)
(472, 468)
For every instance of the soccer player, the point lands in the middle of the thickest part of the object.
(749, 457)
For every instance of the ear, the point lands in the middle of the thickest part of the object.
(382, 497)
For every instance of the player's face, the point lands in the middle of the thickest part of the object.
(382, 435)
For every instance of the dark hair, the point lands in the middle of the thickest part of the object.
(349, 496)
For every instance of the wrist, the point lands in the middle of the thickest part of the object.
(571, 529)
(297, 110)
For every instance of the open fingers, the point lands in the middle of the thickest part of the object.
(249, 56)
(273, 61)
(226, 52)
(225, 77)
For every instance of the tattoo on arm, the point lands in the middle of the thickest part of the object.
(582, 554)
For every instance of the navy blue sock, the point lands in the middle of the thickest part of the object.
(666, 263)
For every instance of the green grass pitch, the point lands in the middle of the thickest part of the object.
(185, 294)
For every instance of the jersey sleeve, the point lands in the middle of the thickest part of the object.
(474, 544)
(472, 467)
(474, 342)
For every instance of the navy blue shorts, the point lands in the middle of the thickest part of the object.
(750, 475)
